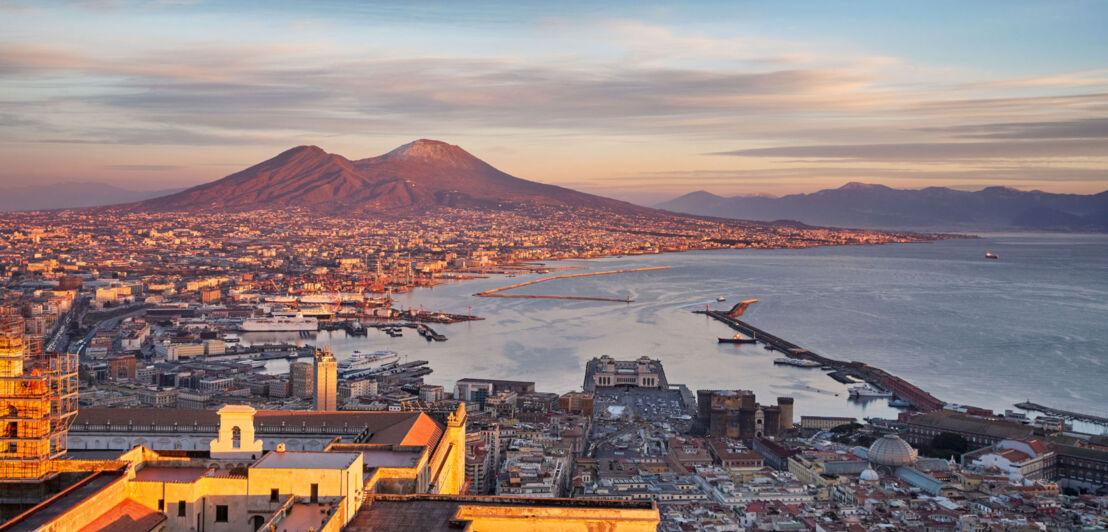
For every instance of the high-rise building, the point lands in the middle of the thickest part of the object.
(38, 398)
(325, 380)
(300, 377)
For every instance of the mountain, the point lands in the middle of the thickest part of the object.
(420, 175)
(935, 208)
(68, 196)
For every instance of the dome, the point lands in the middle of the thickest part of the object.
(869, 475)
(891, 451)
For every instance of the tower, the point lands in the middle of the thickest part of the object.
(325, 379)
(300, 379)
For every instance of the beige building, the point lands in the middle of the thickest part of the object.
(325, 381)
(606, 372)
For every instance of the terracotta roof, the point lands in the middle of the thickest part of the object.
(127, 516)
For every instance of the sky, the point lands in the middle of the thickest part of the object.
(637, 100)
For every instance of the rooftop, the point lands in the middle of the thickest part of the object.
(306, 460)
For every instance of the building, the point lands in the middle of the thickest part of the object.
(121, 367)
(38, 395)
(1030, 459)
(824, 422)
(300, 380)
(978, 432)
(736, 414)
(325, 381)
(576, 403)
(606, 372)
(210, 296)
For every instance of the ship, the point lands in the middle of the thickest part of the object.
(866, 391)
(721, 299)
(797, 362)
(737, 339)
(990, 256)
(367, 363)
(280, 323)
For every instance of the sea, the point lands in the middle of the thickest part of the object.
(1030, 325)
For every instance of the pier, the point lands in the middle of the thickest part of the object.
(903, 389)
(495, 291)
(1066, 414)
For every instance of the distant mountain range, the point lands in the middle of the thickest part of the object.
(70, 196)
(415, 177)
(935, 208)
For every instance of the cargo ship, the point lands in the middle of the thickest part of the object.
(367, 363)
(737, 339)
(280, 324)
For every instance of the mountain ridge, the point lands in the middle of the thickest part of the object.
(864, 205)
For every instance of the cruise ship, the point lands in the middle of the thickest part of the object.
(280, 323)
(865, 390)
(366, 363)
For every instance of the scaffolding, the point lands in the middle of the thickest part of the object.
(38, 401)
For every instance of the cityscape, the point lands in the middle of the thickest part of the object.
(253, 333)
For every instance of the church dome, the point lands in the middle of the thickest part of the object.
(869, 475)
(891, 451)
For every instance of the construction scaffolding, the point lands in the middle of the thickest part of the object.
(38, 402)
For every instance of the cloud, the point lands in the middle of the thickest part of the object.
(143, 167)
(1086, 128)
(933, 150)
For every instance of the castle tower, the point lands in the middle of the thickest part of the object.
(785, 421)
(325, 380)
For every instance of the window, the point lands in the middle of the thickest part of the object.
(236, 438)
(180, 508)
(315, 493)
(274, 495)
(161, 505)
(221, 513)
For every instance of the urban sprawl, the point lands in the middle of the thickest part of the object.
(131, 400)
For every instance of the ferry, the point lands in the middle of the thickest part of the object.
(721, 299)
(990, 256)
(797, 362)
(366, 363)
(282, 323)
(865, 390)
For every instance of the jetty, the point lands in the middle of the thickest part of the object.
(903, 389)
(1066, 414)
(495, 292)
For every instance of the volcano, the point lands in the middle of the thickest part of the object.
(418, 176)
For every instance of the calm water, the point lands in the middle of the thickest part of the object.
(1031, 325)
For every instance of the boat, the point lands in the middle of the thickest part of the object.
(899, 403)
(991, 256)
(281, 323)
(799, 362)
(865, 390)
(737, 339)
(721, 299)
(365, 363)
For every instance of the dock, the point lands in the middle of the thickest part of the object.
(1066, 414)
(495, 291)
(903, 389)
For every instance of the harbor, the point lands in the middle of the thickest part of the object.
(843, 371)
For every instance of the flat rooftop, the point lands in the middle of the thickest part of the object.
(170, 474)
(305, 516)
(417, 513)
(50, 509)
(386, 458)
(306, 460)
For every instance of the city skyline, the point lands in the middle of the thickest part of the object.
(638, 103)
